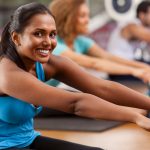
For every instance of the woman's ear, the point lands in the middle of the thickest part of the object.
(15, 38)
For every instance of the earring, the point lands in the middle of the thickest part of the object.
(19, 44)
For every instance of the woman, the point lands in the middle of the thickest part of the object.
(72, 27)
(26, 62)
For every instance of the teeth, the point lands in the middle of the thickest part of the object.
(44, 51)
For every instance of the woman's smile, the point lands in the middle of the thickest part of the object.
(43, 52)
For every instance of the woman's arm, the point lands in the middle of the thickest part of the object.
(138, 32)
(71, 74)
(28, 88)
(104, 65)
(97, 51)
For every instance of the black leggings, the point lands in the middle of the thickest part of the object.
(46, 143)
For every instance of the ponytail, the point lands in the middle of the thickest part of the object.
(8, 49)
(5, 39)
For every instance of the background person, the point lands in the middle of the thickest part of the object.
(123, 40)
(72, 27)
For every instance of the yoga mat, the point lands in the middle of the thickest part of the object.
(74, 123)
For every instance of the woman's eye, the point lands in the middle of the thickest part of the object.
(53, 35)
(38, 34)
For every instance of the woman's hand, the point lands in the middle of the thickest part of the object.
(143, 122)
(143, 74)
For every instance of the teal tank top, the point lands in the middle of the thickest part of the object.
(16, 119)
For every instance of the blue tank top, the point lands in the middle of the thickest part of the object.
(16, 119)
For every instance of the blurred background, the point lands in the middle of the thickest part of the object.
(8, 6)
(103, 15)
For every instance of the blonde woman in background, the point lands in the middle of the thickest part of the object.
(72, 18)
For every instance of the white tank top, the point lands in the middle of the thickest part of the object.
(120, 46)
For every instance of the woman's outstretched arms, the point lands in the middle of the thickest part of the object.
(103, 64)
(137, 69)
(73, 75)
(28, 88)
(97, 51)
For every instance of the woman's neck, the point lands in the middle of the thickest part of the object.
(30, 67)
(29, 64)
(70, 40)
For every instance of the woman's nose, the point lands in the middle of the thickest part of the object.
(47, 41)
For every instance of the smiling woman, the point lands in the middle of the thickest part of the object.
(27, 62)
(43, 37)
(38, 40)
(27, 42)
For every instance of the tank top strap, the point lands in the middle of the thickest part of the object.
(40, 71)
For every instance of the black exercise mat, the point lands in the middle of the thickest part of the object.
(74, 123)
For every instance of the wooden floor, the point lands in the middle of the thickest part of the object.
(125, 137)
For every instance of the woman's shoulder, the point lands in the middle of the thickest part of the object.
(57, 60)
(9, 73)
(56, 65)
(7, 65)
(84, 39)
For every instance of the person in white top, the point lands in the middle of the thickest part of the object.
(122, 39)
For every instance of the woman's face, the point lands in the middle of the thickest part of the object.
(147, 18)
(38, 39)
(82, 19)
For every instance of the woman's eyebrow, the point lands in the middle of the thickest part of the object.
(44, 30)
